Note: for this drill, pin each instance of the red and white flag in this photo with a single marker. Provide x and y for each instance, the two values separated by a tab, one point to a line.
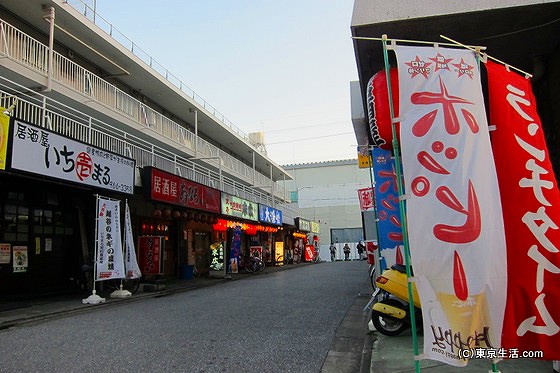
365	196
109	255
531	204
454	213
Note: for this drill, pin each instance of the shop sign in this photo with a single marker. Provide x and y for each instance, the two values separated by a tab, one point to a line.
173	189
42	152
5	253
315	227
239	207
270	215
150	254
217	256
279	252
303	225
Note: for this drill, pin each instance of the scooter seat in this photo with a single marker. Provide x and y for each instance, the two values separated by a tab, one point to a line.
401	268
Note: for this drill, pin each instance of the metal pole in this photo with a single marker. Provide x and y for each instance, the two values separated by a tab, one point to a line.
402	206
50	17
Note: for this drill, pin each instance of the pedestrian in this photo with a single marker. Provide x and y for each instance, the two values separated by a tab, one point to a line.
361	248
332	249
346	250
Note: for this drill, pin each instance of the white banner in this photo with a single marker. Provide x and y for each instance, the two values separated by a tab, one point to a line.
109	256
454	211
130	262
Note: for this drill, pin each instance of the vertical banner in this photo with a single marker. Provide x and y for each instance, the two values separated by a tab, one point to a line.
389	225
235	250
130	263
150	250
109	256
454	212
532	316
4	128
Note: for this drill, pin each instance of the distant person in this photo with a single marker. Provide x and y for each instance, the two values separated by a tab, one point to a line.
346	250
332	249
361	248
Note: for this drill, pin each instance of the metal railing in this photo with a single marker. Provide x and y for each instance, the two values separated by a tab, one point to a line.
63	119
20	47
87	11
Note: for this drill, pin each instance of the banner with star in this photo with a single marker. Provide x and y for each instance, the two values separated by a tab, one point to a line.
454	213
532	316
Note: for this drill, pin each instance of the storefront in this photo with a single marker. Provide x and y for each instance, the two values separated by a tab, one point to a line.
183	214
47	208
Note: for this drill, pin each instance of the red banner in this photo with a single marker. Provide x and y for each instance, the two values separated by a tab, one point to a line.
531	202
179	191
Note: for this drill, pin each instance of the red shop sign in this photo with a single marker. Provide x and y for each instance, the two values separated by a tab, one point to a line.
166	187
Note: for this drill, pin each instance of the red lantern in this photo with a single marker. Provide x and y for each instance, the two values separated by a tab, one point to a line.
379	114
166	213
196	217
176	214
184	215
157	213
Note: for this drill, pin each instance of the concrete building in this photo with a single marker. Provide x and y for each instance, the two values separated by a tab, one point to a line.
73	84
326	192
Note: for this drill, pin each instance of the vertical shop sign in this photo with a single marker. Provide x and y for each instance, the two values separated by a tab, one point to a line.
20	258
217	256
150	254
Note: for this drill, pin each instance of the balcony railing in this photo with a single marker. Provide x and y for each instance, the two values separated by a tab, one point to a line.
22	48
58	117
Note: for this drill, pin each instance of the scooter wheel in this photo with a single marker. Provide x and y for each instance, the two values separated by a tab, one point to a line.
387	325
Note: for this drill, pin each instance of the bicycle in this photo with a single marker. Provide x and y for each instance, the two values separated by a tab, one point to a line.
252	264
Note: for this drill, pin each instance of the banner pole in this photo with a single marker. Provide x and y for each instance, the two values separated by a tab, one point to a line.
94	298
401	206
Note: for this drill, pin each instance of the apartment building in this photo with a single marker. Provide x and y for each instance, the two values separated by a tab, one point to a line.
89	114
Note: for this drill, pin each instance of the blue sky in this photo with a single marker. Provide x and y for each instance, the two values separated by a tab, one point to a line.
278	67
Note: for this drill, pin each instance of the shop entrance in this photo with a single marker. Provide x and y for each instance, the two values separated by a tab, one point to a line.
201	247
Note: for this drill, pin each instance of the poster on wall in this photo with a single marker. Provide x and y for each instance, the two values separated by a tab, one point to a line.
20	258
150	256
5	253
256	251
217	257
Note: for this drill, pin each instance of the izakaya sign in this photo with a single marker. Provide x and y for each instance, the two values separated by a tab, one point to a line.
176	190
454	212
239	207
531	203
270	215
46	153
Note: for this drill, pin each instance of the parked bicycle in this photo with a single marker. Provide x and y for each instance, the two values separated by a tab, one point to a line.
252	264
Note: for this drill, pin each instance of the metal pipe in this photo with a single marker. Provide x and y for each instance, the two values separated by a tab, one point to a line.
50	17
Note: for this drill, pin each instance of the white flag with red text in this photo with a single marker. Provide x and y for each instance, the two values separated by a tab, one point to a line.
109	256
454	213
531	203
130	263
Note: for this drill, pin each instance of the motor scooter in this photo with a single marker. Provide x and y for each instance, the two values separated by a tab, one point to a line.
390	312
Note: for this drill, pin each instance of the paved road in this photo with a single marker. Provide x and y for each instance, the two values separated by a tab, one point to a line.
281	322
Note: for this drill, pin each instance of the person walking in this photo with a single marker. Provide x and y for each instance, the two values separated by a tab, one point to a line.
346	250
361	248
332	249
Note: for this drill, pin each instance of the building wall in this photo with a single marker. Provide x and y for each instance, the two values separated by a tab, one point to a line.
327	194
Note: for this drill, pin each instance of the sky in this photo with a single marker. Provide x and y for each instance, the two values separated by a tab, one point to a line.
278	67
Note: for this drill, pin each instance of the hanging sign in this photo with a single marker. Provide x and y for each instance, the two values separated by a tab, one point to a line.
39	151
532	316
454	212
365	196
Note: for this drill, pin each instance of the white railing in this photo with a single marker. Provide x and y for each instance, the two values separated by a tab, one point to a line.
87	11
17	45
55	116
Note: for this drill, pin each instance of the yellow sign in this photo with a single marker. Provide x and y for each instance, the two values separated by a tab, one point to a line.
363	157
4	127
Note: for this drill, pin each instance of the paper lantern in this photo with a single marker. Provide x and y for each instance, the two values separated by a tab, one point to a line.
379	114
